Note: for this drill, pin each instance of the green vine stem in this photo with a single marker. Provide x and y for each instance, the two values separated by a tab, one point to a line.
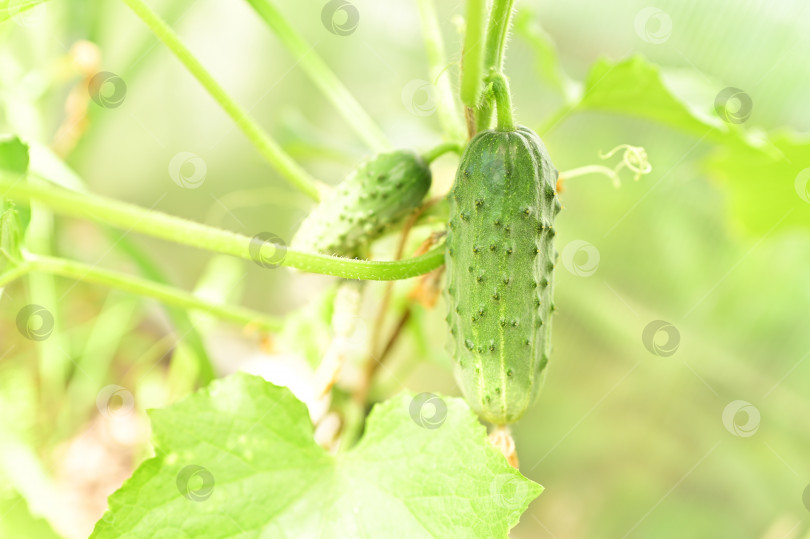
142	287
434	153
323	77
497	36
503	100
270	150
14	273
472	57
171	228
446	105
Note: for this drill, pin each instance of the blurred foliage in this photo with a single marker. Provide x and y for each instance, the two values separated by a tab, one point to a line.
714	241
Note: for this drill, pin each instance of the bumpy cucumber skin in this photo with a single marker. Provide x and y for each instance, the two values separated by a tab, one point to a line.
500	264
381	191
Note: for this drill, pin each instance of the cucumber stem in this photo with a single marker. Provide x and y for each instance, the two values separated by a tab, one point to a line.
193	234
434	153
500	19
497	34
503	100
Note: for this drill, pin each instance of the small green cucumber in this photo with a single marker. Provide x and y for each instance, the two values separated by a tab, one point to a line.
381	191
500	264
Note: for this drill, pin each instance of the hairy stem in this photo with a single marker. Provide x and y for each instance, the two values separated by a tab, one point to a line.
323	77
503	100
171	228
446	105
142	287
434	153
497	36
270	150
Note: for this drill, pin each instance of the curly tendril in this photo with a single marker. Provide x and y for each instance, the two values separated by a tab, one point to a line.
634	159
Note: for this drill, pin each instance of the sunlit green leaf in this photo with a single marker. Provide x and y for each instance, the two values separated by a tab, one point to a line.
765	175
238	459
639	88
769	187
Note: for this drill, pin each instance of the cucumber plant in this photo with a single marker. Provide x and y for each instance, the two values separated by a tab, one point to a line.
498	263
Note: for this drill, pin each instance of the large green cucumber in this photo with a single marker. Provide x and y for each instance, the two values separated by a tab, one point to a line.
379	192
500	266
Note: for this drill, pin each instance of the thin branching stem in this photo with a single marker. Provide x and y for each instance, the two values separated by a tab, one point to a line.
265	249
269	148
324	78
143	287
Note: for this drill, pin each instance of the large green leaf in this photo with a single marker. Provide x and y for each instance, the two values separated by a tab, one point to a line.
676	98
238	459
767	188
765	174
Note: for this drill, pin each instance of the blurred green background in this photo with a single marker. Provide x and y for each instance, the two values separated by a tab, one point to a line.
627	443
